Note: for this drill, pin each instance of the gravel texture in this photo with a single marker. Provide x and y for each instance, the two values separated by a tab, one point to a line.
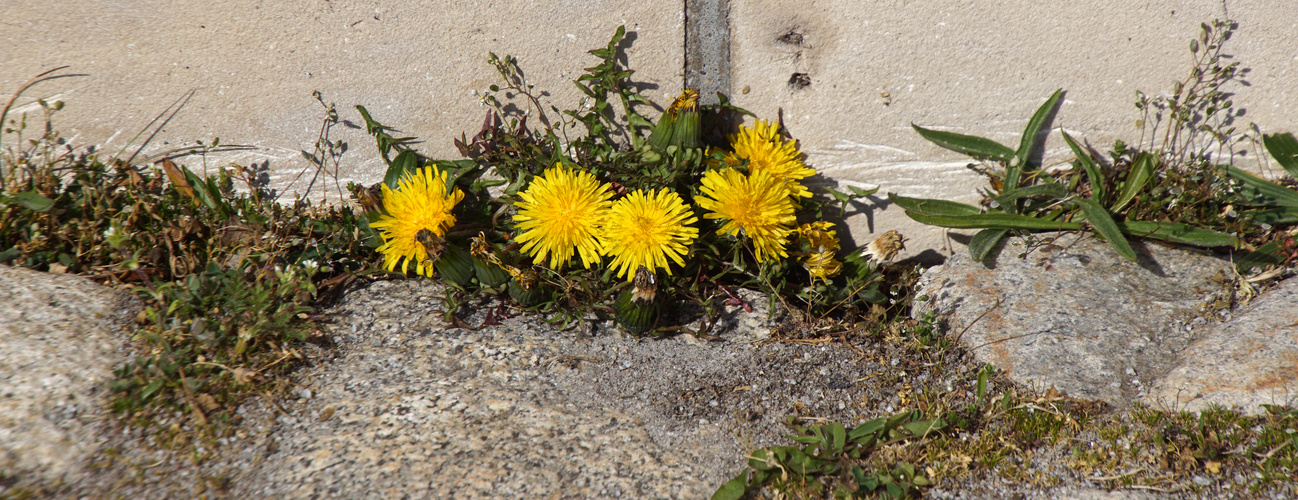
401	404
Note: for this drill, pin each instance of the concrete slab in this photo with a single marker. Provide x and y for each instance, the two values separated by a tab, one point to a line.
254	65
982	68
871	70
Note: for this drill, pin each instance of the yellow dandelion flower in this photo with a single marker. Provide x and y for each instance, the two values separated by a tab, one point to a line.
418	216
765	149
823	241
647	229
562	210
756	203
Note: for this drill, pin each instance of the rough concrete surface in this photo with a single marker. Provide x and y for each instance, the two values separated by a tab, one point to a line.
253	65
871	68
981	68
1247	361
60	336
1074	315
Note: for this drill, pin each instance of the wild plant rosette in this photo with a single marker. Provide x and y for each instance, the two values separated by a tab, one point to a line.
629	221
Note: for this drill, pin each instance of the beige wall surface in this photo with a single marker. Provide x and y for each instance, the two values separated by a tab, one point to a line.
874	67
982	68
254	64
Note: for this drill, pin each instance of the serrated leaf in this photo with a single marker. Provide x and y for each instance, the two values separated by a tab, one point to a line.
977	147
984	241
932	206
1088	164
1103	223
1284	148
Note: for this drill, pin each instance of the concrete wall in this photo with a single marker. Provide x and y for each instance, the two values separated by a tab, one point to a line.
874	67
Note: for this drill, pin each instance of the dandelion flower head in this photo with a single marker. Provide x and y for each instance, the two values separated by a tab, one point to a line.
562	211
822	240
765	149
757	203
420	203
646	229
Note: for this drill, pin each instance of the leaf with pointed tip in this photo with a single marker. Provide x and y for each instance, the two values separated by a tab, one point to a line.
1142	169
1032	136
977	147
993	221
1178	233
1284	148
933	207
1103	223
734	489
1088	164
1261	192
982	243
404	163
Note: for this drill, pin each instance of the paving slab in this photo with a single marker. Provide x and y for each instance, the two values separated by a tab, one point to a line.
870	70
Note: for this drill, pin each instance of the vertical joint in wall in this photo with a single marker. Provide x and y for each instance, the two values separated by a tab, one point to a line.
707	48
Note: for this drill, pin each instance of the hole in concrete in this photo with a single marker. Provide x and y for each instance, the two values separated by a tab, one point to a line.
799	80
791	38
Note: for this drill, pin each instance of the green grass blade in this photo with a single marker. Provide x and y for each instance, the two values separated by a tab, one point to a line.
993	221
1284	148
1178	233
1104	224
1260	191
977	147
983	242
933	207
1141	171
1088	164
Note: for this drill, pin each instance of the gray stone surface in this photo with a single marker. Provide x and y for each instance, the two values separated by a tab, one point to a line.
403	404
1074	315
1247	361
60	336
521	409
